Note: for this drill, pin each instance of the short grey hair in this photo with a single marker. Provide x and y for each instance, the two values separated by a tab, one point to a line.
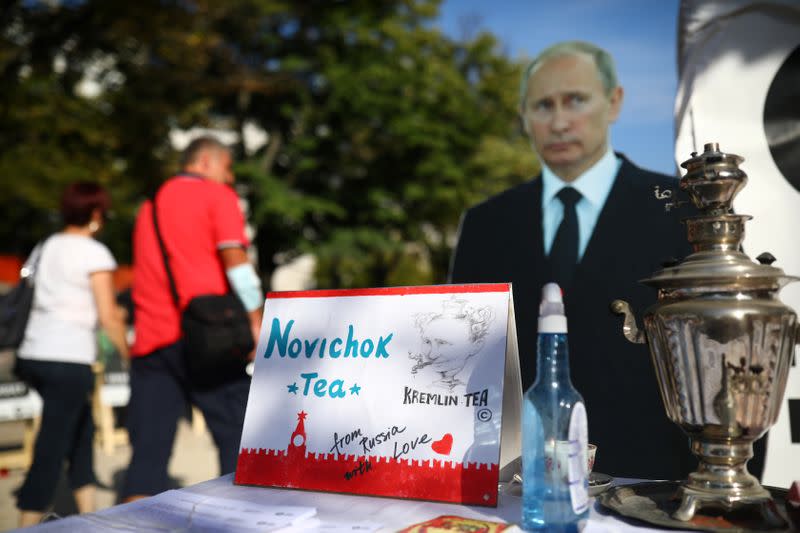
602	60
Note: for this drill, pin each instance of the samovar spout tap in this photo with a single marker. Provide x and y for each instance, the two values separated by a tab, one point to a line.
629	327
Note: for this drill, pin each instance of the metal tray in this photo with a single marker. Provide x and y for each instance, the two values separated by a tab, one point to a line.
598	483
654	502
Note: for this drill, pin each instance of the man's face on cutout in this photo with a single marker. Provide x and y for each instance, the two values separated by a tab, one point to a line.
567	114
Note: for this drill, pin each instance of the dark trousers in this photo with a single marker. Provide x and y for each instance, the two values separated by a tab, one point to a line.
160	394
66	431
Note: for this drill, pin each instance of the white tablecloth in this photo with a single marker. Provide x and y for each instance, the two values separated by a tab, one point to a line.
391	514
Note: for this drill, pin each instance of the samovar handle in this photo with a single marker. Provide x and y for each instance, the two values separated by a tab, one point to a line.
629	327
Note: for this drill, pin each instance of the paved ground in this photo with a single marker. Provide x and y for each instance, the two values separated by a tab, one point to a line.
193	460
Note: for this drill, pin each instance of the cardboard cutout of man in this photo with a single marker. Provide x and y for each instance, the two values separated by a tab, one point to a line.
597	241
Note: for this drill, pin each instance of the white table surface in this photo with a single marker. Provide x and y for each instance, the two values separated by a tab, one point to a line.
392	514
21	407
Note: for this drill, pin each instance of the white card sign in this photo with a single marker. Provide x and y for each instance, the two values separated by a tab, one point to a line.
388	392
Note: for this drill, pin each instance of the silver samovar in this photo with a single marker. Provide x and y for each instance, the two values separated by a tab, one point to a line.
720	339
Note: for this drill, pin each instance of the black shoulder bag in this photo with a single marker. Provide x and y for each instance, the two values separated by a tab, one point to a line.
15	305
216	330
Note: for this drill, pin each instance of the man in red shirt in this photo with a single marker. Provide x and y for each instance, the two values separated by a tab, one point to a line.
203	230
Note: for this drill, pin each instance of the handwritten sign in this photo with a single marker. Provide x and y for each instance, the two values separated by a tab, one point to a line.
390	392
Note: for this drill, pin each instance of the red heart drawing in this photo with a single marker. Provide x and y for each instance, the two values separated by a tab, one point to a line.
443	445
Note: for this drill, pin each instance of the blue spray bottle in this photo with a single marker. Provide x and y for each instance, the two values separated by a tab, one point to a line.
554	431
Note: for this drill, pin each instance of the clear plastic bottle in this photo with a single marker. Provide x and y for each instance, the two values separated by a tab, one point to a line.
554	432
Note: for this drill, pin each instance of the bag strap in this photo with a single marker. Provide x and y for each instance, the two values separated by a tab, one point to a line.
172	287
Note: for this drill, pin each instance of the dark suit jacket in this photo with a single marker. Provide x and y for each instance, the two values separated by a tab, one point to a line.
501	241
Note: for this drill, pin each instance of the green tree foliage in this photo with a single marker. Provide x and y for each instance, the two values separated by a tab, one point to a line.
381	129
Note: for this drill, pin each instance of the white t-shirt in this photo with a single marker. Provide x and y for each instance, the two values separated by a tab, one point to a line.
63	319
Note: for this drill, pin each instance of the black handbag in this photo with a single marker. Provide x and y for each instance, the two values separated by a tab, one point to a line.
216	331
15	305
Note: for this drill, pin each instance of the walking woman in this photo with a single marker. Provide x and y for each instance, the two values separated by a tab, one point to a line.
73	293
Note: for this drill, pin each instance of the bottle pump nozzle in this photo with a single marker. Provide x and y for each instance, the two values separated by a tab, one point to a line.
551	310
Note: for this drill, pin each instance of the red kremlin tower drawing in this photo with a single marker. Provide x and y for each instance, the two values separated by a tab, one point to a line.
297	442
447	481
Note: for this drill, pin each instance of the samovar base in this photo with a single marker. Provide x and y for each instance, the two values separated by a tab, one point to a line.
654	502
722	481
693	500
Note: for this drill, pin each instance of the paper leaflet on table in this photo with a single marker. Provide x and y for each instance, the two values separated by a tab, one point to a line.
179	510
449	523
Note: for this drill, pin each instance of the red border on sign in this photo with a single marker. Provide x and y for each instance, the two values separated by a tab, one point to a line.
393	291
372	475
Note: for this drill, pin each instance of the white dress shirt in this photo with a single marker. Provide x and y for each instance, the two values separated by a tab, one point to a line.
594	185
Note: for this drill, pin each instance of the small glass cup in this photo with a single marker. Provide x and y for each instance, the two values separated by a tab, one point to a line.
591	451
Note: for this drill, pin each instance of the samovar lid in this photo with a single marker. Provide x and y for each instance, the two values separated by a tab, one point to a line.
712	180
729	271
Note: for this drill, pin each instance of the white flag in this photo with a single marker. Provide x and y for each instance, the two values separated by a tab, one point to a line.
739	67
